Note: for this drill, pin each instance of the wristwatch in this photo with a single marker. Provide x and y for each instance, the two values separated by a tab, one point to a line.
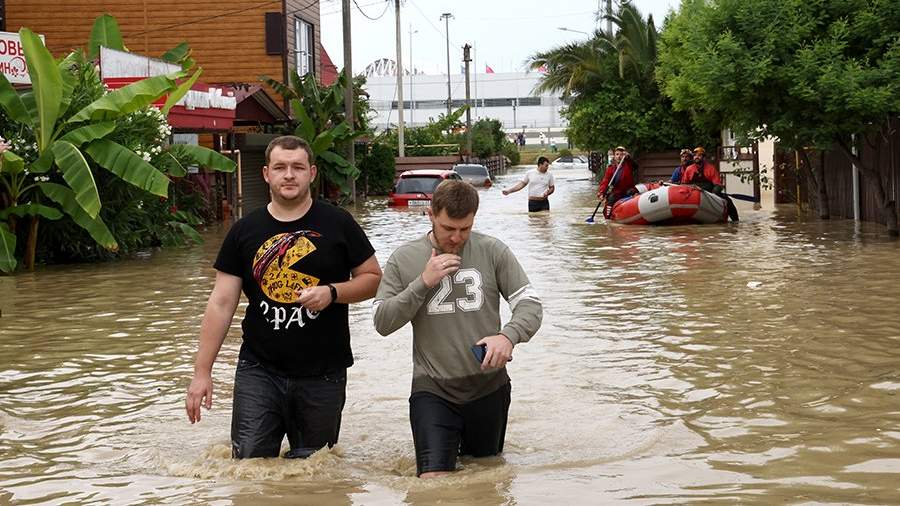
333	292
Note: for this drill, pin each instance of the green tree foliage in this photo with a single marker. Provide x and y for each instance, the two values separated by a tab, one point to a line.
614	98
433	138
809	73
378	169
63	131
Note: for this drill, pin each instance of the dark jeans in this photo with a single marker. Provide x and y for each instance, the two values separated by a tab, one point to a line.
268	406
538	205
443	429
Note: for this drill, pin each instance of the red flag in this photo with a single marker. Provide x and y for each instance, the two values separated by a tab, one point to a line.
488	69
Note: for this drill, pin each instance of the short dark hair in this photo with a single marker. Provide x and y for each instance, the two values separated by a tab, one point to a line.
542	160
290	142
459	198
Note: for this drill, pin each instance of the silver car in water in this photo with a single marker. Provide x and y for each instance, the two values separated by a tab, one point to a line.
474	174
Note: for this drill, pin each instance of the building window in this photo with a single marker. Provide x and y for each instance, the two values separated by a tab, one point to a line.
303	44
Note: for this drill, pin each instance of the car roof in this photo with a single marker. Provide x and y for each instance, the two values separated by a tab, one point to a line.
427	172
469	165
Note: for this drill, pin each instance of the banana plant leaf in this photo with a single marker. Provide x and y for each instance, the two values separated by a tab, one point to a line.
7	249
12	103
12	163
89	133
279	87
177	53
187	230
68	78
43	163
305	128
127	99
205	157
124	163
94	226
179	92
46	84
105	33
77	173
172	166
23	210
340	164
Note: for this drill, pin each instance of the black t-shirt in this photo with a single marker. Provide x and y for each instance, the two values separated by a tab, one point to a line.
273	259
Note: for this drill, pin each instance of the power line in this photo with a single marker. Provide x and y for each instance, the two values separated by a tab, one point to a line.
208	18
386	5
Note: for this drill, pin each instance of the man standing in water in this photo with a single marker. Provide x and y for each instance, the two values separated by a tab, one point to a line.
299	262
540	185
460	389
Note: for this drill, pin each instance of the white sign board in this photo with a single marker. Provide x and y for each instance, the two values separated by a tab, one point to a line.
114	63
12	58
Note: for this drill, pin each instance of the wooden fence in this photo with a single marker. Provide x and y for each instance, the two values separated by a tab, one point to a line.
793	186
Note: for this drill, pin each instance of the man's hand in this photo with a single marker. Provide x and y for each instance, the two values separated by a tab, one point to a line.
498	352
199	392
439	266
314	298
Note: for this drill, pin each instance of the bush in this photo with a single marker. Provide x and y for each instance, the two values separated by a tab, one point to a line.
377	168
565	152
512	152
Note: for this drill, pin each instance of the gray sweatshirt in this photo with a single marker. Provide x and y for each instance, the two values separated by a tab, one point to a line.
456	313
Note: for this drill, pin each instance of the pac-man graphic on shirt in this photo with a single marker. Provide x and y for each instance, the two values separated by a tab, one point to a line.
273	261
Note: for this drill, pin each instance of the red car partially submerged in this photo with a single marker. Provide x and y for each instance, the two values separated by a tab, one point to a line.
415	187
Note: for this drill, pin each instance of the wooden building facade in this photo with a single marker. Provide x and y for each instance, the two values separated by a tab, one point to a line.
234	41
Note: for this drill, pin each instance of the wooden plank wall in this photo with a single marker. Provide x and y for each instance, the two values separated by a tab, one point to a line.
227	36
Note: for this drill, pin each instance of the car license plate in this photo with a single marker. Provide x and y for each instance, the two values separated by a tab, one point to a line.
419	202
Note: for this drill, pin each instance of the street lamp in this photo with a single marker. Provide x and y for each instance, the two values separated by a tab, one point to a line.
565	29
446	17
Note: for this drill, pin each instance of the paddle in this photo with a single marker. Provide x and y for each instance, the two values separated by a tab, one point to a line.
591	219
609	188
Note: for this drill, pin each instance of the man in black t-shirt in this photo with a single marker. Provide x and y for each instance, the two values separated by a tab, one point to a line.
299	262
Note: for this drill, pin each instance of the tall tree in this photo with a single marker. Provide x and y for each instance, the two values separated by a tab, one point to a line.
609	81
810	73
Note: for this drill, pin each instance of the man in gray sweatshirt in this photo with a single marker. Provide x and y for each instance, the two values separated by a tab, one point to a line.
448	283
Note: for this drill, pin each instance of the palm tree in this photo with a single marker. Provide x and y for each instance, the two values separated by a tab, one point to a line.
578	68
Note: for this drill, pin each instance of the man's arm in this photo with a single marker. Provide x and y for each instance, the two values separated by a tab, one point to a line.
514	188
551	187
395	303
216	320
362	285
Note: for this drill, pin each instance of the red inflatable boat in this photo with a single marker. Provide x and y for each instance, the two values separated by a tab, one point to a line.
669	204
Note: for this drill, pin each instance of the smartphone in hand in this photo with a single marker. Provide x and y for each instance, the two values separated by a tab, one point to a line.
479	350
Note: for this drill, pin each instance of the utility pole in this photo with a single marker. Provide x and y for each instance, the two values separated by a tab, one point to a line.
412	72
466	59
349	89
514	111
609	18
401	148
446	17
475	64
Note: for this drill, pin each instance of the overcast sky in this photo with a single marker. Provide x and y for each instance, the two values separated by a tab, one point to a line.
503	32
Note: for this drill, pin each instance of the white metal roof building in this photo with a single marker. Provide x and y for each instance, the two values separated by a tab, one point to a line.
503	96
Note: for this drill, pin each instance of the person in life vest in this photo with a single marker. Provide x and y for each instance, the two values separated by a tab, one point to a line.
687	159
618	179
702	173
706	176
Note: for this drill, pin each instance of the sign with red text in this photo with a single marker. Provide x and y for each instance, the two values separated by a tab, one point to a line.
12	58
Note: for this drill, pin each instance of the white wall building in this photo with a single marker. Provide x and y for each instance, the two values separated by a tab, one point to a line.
503	96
